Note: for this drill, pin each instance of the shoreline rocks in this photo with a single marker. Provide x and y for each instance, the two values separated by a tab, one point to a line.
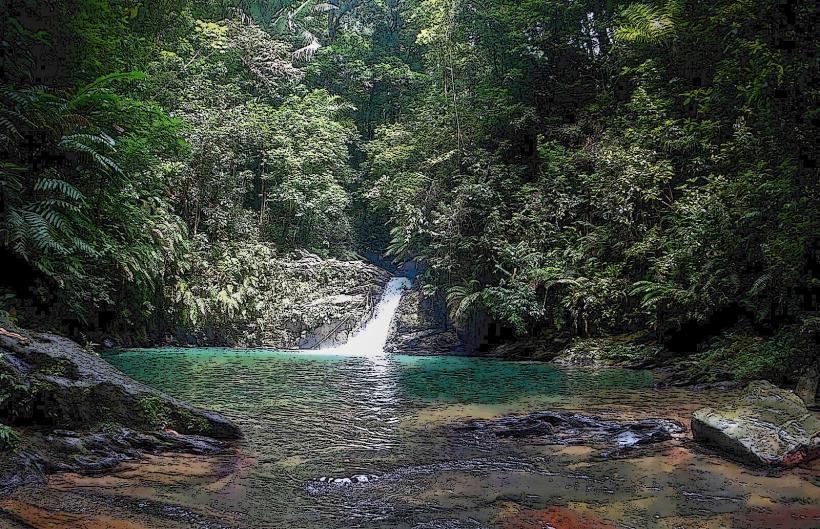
574	428
78	413
612	351
766	426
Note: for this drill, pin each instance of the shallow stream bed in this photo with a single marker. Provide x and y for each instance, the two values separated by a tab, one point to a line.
348	441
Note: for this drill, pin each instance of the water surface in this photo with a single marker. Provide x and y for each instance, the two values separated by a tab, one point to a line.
393	419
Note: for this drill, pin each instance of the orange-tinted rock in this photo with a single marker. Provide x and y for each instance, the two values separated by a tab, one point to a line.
781	517
555	518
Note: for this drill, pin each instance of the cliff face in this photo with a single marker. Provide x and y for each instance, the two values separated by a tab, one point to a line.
288	303
328	300
420	327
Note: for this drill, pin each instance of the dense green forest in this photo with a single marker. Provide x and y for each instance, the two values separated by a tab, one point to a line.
577	168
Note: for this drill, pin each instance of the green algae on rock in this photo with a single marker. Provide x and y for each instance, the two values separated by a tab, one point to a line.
622	350
77	413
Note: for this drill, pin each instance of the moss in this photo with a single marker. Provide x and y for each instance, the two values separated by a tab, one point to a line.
188	421
612	350
107	427
744	357
58	368
154	410
10	385
157	413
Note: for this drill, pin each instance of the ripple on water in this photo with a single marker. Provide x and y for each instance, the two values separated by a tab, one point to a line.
312	415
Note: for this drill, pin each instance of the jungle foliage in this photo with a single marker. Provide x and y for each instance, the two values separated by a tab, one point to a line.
588	168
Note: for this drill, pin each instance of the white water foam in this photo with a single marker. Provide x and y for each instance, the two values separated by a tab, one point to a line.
371	339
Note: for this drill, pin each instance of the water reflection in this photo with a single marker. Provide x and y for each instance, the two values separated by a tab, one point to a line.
343	415
320	414
291	403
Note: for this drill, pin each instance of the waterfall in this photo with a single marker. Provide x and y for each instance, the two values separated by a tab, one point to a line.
371	339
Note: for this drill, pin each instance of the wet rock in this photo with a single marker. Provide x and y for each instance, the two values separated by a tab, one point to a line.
420	328
326	483
723	385
61	385
572	428
450	524
427	342
66	444
97	452
544	347
192	444
21	468
64	433
767	425
96	465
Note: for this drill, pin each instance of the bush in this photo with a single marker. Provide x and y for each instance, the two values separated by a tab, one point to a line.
745	357
9	438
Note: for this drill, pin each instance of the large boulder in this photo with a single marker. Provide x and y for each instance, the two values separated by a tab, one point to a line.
765	426
76	413
51	381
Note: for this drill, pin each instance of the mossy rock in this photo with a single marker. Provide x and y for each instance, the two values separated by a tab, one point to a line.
77	389
621	350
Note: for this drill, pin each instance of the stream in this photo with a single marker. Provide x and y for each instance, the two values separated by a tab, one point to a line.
308	416
350	437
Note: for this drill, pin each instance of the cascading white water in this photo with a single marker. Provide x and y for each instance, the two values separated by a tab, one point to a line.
371	339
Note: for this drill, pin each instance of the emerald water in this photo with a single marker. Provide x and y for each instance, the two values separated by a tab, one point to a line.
310	417
334	440
354	415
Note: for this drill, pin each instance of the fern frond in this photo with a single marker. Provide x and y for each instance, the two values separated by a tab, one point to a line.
60	186
307	52
647	24
324	8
